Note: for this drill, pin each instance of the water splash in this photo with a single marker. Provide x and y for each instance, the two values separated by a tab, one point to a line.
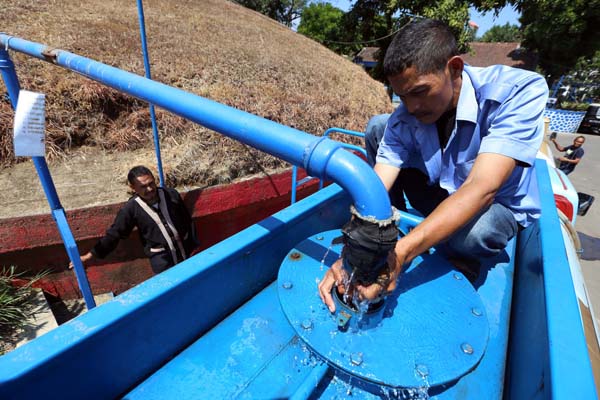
416	393
325	256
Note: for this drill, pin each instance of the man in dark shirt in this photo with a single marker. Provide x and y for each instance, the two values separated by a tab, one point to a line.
573	154
164	224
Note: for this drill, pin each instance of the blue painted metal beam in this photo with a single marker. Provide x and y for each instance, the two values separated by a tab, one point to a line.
570	368
161	178
321	157
58	213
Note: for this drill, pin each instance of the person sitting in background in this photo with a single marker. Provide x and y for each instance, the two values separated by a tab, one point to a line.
573	154
164	223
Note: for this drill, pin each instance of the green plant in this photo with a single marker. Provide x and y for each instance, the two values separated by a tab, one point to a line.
573	106
15	306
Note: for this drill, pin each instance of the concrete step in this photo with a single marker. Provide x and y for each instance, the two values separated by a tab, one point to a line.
39	322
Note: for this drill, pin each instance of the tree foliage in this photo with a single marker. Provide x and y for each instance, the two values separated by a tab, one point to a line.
456	15
323	23
502	33
284	11
365	22
391	15
559	31
582	83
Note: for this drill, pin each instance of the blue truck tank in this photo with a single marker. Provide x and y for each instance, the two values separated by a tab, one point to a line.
243	319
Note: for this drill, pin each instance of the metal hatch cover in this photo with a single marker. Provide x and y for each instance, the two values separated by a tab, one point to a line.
434	328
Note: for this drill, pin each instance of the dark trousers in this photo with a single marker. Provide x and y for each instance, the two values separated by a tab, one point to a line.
422	197
413	182
161	262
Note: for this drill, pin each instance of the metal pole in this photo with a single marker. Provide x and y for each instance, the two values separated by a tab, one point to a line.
320	157
7	68
152	114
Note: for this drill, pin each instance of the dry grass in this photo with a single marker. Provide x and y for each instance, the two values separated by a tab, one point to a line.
213	48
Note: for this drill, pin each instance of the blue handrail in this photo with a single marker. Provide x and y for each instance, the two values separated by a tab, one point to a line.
321	157
296	183
148	75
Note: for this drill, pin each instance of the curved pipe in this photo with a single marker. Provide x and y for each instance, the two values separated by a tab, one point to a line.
321	157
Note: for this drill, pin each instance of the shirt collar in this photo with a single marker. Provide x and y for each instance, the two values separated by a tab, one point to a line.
467	107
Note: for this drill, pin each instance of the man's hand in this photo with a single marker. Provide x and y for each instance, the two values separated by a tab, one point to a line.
335	276
385	285
84	258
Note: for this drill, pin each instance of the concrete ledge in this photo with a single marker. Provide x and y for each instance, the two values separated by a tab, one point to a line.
41	321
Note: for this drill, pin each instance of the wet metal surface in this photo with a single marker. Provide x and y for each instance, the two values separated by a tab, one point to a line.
428	323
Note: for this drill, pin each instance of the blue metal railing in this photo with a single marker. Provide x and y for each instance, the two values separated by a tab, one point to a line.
296	183
320	156
148	75
7	69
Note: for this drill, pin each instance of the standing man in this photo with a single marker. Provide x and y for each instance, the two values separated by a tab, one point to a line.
573	154
164	224
468	138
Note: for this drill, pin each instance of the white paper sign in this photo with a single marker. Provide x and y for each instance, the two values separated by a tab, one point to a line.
30	124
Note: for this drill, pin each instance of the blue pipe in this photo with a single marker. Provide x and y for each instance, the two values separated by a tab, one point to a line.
321	157
152	114
7	68
347	146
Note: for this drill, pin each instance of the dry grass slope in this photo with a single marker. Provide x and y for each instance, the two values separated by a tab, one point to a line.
214	48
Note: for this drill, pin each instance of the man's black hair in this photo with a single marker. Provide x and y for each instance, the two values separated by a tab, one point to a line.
136	172
426	44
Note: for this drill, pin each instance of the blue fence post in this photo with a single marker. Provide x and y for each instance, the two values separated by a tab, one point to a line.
11	81
148	75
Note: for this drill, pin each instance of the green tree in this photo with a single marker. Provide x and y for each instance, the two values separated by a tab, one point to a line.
502	33
454	13
284	11
584	79
323	22
559	31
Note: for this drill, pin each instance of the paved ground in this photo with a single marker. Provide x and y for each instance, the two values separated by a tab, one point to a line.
586	179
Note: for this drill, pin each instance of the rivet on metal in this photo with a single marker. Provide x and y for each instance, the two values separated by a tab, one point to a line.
457	277
287	285
320	238
421	370
477	312
356	358
307	324
466	348
295	256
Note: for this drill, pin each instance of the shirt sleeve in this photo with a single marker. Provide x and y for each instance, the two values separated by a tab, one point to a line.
120	229
394	148
516	127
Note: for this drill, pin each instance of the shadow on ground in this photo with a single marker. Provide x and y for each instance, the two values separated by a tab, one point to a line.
591	247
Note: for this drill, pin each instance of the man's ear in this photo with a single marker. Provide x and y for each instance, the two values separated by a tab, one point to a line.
456	66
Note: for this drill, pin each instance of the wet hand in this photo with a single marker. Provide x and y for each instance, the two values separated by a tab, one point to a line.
84	258
335	276
386	283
